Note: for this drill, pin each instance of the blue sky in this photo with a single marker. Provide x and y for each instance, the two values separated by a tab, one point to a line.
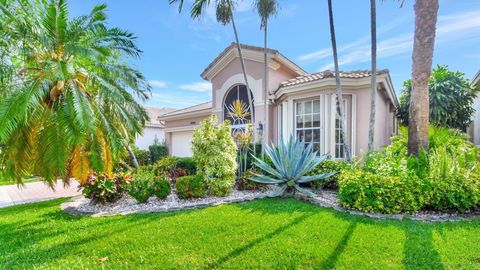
177	48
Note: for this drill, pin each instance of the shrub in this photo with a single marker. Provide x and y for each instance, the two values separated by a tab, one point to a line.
446	178
104	188
143	157
165	165
214	151
161	186
157	151
455	182
188	164
371	192
192	186
329	166
141	188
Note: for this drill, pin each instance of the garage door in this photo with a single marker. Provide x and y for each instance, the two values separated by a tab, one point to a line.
181	146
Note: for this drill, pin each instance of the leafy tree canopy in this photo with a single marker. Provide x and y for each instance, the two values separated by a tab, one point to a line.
67	101
451	99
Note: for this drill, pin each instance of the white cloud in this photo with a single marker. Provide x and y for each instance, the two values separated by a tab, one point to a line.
459	27
157	83
197	87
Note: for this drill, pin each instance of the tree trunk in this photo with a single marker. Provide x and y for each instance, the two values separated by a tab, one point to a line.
373	93
423	45
339	92
265	90
132	156
244	70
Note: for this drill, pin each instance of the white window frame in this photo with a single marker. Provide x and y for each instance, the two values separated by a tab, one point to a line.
352	115
321	114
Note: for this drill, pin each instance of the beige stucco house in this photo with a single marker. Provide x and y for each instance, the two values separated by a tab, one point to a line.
298	103
154	129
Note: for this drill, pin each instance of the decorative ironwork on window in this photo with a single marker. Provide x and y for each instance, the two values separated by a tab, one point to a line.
237	108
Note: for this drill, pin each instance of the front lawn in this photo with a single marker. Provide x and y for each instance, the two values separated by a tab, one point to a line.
263	234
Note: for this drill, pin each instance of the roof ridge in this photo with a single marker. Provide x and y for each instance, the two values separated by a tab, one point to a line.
186	108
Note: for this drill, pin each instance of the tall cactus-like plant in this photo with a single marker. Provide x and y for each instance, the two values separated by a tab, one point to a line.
291	162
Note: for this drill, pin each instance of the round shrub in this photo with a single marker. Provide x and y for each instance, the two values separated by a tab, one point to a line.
371	192
141	189
161	186
329	166
188	164
103	188
191	186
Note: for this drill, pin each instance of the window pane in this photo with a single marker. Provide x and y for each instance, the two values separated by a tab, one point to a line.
299	121
316	120
308	135
308	121
299	108
316	147
316	135
308	107
300	135
316	106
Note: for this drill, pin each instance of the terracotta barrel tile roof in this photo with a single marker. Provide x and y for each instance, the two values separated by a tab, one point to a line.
329	74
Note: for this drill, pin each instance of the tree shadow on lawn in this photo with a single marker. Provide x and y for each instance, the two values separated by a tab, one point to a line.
20	239
418	247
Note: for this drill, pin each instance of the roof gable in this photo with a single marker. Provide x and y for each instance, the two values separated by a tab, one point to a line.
252	53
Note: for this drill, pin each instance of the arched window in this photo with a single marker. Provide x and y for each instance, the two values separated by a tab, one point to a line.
236	107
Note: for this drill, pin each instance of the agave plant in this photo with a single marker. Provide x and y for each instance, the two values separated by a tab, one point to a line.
291	162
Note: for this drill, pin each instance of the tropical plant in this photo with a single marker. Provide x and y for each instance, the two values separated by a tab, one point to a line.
330	165
265	9
373	83
157	151
340	112
161	186
450	99
103	188
292	160
188	164
423	45
72	109
141	187
215	153
192	186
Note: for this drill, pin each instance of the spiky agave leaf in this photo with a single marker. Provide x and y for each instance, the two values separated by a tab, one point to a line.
291	161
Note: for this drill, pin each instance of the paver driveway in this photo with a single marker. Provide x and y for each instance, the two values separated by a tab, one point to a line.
35	192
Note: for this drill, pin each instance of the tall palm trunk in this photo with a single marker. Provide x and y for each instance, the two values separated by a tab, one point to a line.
132	156
265	86
373	93
423	45
339	92
244	70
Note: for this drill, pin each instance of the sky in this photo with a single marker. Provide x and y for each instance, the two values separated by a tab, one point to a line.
176	48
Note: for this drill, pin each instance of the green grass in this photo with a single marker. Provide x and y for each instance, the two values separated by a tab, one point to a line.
263	234
4	182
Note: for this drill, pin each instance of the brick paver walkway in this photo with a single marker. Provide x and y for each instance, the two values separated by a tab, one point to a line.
35	192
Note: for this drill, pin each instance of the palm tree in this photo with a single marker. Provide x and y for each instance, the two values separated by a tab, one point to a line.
423	45
72	109
265	9
373	93
339	92
224	12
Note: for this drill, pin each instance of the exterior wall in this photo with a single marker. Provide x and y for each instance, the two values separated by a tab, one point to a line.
181	143
358	117
474	129
232	75
149	136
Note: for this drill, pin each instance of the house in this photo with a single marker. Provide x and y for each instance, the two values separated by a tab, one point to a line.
474	129
298	103
154	128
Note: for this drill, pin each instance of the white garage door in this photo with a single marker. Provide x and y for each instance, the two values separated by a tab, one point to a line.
181	146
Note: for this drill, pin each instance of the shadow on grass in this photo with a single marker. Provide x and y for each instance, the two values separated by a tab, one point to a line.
331	261
238	251
418	249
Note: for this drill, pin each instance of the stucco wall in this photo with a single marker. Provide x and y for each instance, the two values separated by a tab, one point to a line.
148	137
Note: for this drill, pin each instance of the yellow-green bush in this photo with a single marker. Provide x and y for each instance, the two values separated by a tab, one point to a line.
388	181
215	153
